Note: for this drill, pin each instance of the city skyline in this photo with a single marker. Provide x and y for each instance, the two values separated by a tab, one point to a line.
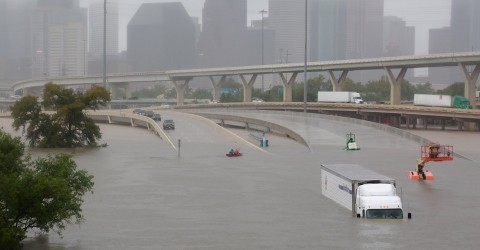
423	15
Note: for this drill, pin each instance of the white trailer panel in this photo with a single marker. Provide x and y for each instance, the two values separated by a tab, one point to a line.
432	100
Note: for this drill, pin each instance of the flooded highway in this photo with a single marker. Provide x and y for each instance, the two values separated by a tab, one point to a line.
145	197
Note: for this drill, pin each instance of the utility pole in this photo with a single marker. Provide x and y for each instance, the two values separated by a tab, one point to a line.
84	54
263	12
305	64
105	44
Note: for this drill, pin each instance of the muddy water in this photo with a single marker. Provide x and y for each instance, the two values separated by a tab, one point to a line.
147	198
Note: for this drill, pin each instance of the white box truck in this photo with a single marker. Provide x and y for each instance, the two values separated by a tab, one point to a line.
342	96
441	101
364	192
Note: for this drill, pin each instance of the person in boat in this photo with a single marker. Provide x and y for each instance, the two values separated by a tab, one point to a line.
236	152
231	152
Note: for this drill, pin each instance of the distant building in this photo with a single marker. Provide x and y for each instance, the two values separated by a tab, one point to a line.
15	48
222	41
462	36
440	41
59	34
328	30
398	40
465	25
96	27
287	19
161	36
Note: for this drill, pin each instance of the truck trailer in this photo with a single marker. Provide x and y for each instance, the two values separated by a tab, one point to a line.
365	193
441	101
343	96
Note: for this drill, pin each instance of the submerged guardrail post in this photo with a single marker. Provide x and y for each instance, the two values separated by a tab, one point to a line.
179	148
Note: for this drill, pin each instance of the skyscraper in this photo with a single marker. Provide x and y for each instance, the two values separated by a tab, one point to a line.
59	32
364	28
465	25
287	19
95	28
15	61
223	38
161	36
328	30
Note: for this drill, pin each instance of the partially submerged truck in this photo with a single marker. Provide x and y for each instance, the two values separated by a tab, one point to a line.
364	192
441	101
341	96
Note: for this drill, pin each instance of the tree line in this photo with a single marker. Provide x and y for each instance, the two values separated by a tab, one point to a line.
372	91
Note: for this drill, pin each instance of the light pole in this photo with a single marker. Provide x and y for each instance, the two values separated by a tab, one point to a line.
84	52
305	64
105	44
263	12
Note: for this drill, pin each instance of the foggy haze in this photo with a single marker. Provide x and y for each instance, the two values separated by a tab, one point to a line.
423	14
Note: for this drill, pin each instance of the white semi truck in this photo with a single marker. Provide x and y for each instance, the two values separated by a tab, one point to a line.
342	96
364	192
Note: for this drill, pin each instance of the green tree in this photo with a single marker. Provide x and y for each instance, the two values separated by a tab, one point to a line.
69	126
313	86
200	94
151	92
45	194
424	88
457	88
377	90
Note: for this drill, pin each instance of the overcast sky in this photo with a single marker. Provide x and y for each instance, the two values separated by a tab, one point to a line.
423	14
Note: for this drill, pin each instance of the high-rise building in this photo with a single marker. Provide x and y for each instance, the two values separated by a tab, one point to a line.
3	42
96	28
161	36
364	28
59	33
398	40
223	38
287	19
328	30
462	36
15	62
465	25
440	41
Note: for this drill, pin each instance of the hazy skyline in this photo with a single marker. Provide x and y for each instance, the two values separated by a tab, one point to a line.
423	14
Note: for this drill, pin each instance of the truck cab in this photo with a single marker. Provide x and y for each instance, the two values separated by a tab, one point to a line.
378	201
356	98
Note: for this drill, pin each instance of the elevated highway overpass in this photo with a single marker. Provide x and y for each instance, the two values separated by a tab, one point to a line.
395	68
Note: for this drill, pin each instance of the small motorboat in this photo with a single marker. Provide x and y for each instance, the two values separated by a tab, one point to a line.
235	153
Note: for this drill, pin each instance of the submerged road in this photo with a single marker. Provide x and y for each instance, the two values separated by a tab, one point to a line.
147	198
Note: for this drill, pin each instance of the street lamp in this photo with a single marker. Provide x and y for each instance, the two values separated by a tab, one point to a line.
263	12
305	64
84	54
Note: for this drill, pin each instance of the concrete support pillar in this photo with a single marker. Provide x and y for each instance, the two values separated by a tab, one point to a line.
337	83
395	82
425	123
443	124
408	122
414	123
287	86
180	88
248	87
470	82
217	87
